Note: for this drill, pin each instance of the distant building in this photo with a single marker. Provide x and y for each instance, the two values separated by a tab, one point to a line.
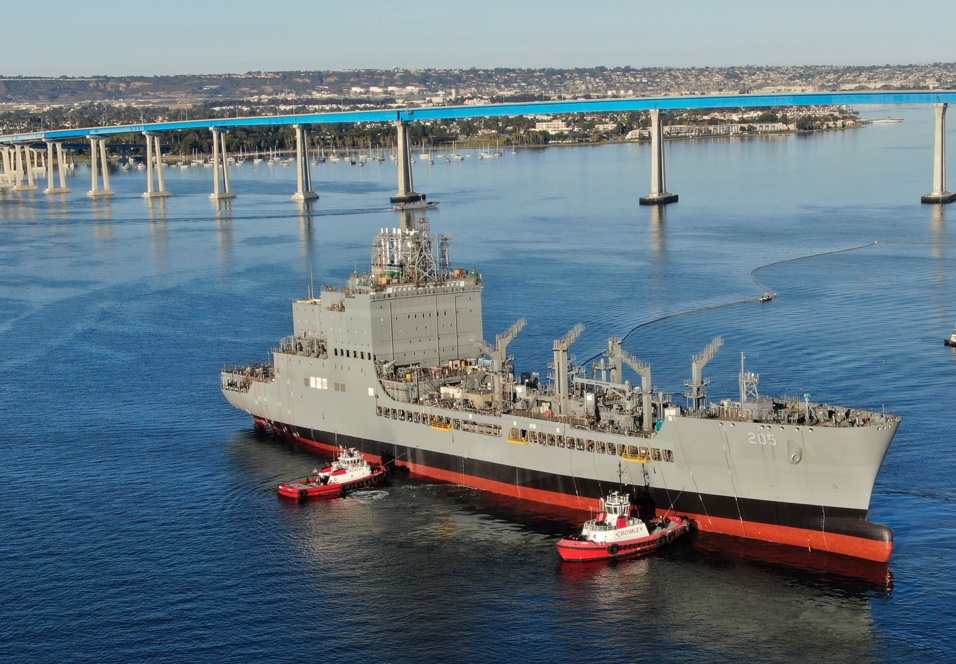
764	127
784	89
675	131
552	126
693	131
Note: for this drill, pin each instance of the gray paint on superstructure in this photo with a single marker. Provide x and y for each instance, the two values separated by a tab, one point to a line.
367	362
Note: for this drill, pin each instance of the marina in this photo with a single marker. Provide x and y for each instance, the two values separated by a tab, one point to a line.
121	312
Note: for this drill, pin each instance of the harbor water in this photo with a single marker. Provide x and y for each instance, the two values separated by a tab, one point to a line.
139	516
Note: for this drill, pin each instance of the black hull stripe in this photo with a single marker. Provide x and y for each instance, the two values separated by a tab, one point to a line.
837	520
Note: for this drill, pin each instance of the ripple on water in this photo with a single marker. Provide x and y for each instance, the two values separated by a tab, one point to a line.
171	543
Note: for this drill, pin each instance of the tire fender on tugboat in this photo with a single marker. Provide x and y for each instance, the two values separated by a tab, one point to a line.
613	549
303	494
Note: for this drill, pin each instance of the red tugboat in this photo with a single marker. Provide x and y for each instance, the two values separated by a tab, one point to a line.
349	471
616	534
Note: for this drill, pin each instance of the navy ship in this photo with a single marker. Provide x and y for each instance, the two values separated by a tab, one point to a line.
395	364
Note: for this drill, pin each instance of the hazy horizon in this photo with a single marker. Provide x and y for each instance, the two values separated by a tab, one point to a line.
199	37
413	69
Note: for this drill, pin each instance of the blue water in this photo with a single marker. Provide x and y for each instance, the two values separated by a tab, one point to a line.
139	518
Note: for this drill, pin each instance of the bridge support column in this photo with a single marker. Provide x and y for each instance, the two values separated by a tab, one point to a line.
939	193
25	167
17	162
406	188
98	160
659	194
302	171
151	140
60	167
6	175
220	190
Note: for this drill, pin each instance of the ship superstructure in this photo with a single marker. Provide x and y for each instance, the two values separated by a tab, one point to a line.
395	365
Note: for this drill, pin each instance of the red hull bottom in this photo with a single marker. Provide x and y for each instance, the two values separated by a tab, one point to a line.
327	491
856	547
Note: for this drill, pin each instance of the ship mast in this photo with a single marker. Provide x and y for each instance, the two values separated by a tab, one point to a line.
407	255
748	384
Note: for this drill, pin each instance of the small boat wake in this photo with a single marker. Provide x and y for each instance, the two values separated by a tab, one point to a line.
369	494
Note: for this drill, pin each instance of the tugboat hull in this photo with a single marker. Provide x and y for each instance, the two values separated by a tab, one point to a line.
576	549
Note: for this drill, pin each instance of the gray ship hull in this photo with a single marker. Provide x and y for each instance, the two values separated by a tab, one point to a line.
395	365
799	485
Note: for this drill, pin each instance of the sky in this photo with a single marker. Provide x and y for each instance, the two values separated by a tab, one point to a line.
158	37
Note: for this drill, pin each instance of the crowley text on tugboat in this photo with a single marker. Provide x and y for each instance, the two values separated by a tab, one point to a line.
617	534
349	471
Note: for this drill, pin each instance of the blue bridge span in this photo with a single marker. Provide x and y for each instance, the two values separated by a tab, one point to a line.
17	148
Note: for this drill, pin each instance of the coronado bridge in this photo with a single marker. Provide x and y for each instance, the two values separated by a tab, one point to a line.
20	152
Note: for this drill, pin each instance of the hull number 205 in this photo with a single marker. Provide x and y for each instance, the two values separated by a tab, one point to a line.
761	438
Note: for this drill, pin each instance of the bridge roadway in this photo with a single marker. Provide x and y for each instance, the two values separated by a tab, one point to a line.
656	105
